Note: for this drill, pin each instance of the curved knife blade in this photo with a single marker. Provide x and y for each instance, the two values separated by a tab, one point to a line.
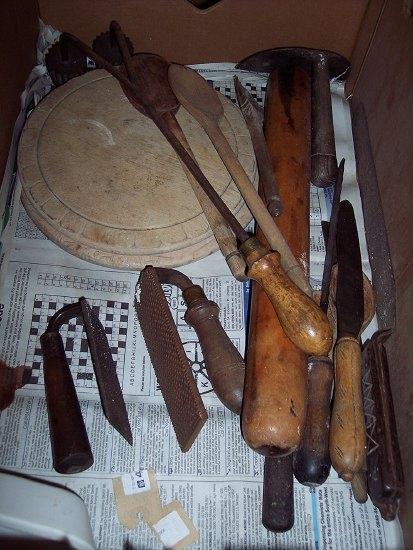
349	297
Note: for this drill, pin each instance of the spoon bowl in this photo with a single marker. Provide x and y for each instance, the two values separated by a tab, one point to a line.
190	89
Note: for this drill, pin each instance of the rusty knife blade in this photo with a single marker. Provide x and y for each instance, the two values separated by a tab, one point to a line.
110	392
349	294
331	241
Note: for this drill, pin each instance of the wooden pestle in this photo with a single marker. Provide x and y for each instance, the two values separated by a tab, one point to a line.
275	391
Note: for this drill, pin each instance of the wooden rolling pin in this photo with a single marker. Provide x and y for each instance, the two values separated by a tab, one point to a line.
275	390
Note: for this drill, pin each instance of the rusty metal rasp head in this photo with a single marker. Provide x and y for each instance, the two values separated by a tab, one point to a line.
174	375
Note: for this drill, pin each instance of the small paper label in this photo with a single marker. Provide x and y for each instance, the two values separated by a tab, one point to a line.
171	529
136	482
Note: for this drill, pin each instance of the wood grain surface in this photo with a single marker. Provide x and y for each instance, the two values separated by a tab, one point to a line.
347	428
276	377
100	180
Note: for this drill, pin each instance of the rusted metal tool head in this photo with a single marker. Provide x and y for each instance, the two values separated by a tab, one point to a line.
11	379
322	65
107	380
174	375
279	58
106	45
385	478
65	60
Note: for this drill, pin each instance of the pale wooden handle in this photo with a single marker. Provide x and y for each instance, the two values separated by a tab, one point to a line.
347	429
224	236
264	219
305	324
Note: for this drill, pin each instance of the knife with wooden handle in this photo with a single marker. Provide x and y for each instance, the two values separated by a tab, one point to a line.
347	430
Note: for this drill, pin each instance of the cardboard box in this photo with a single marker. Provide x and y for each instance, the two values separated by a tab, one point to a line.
377	36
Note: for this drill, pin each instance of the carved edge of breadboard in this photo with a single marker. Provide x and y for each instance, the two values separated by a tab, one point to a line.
172	369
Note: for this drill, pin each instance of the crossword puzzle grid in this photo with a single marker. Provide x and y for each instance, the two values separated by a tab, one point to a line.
112	314
227	89
87	283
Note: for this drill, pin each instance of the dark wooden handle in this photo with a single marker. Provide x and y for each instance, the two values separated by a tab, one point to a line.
278	494
224	364
323	150
384	466
347	431
70	444
312	458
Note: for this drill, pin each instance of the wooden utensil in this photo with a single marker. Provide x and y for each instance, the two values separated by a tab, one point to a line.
347	430
254	118
203	103
275	392
167	103
301	318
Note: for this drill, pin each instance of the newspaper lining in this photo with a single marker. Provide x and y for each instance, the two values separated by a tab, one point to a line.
219	481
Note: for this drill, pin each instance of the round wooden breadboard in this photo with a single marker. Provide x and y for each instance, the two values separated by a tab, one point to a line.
100	180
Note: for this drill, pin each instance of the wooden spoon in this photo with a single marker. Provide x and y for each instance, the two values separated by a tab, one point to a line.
166	104
304	323
199	99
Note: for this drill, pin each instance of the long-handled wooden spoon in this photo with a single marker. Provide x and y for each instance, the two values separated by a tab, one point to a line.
198	98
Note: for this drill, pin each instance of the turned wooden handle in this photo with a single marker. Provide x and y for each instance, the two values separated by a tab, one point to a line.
347	430
323	149
69	441
278	494
263	218
312	458
224	236
303	321
223	362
